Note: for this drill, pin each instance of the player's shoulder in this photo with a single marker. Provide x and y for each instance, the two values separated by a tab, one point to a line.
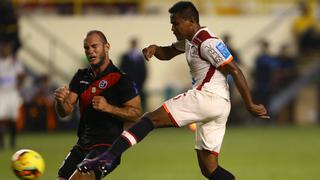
82	71
203	35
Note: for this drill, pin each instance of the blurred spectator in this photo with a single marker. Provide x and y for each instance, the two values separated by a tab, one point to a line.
285	74
305	30
133	64
264	75
9	24
39	112
287	68
11	77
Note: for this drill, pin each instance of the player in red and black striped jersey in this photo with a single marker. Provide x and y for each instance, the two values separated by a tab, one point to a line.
108	102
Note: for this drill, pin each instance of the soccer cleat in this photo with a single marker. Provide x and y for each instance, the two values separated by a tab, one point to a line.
103	163
105	166
87	165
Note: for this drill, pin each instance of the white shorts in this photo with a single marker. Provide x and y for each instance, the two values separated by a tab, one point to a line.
10	102
209	111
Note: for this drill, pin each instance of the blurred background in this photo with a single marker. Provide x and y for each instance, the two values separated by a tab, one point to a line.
275	43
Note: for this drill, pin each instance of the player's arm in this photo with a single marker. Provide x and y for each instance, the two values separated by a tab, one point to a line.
65	101
129	112
160	52
215	51
241	83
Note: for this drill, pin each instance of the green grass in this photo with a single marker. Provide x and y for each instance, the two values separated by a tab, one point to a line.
251	153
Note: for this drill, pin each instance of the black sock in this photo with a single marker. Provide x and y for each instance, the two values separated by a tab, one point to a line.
132	136
221	174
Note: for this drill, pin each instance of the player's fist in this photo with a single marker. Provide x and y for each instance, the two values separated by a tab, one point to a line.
61	93
101	104
149	51
259	111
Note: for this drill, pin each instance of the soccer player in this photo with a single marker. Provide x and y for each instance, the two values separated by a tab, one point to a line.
108	101
11	80
207	103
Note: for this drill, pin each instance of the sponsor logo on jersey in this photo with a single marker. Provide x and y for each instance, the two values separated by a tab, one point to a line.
93	90
222	48
215	56
103	84
84	82
193	81
194	51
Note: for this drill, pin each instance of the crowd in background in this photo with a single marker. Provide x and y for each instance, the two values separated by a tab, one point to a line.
271	74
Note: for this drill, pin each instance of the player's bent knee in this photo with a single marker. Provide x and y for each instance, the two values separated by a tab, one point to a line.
160	118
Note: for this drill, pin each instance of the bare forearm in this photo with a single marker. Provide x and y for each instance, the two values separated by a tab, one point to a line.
127	113
165	53
63	109
242	86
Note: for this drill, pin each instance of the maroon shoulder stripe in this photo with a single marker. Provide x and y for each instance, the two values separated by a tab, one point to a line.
208	77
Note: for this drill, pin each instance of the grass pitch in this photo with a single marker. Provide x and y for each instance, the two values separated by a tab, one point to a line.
251	153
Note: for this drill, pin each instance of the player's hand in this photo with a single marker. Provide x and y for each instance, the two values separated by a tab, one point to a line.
259	111
149	51
100	103
61	93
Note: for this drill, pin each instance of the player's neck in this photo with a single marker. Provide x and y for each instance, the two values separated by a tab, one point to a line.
102	67
195	29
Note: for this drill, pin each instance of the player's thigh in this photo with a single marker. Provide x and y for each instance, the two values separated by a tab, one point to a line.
195	106
160	118
209	134
208	162
69	165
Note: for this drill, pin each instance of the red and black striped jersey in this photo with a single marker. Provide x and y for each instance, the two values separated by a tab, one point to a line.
96	127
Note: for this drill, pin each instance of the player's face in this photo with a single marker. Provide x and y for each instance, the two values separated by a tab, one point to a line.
95	50
180	27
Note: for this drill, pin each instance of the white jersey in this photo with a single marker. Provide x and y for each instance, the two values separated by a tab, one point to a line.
204	54
9	71
10	99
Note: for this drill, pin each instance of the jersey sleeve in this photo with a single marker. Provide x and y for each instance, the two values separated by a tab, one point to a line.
127	89
74	84
180	45
215	51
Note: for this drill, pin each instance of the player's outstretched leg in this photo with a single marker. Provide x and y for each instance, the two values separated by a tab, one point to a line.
155	119
127	139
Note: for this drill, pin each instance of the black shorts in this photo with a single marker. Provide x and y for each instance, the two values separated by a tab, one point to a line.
76	155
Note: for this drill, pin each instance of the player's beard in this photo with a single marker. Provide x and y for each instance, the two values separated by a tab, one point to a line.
100	63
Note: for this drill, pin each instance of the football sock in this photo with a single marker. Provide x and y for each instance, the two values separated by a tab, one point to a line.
221	174
132	136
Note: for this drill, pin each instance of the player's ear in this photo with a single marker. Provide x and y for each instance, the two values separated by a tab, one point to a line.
107	46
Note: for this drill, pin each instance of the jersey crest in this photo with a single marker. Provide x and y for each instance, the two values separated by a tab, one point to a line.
103	84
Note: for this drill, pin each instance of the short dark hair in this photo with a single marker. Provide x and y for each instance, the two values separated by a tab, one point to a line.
100	34
186	9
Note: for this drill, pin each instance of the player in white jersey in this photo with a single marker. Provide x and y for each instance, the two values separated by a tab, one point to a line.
207	103
11	72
